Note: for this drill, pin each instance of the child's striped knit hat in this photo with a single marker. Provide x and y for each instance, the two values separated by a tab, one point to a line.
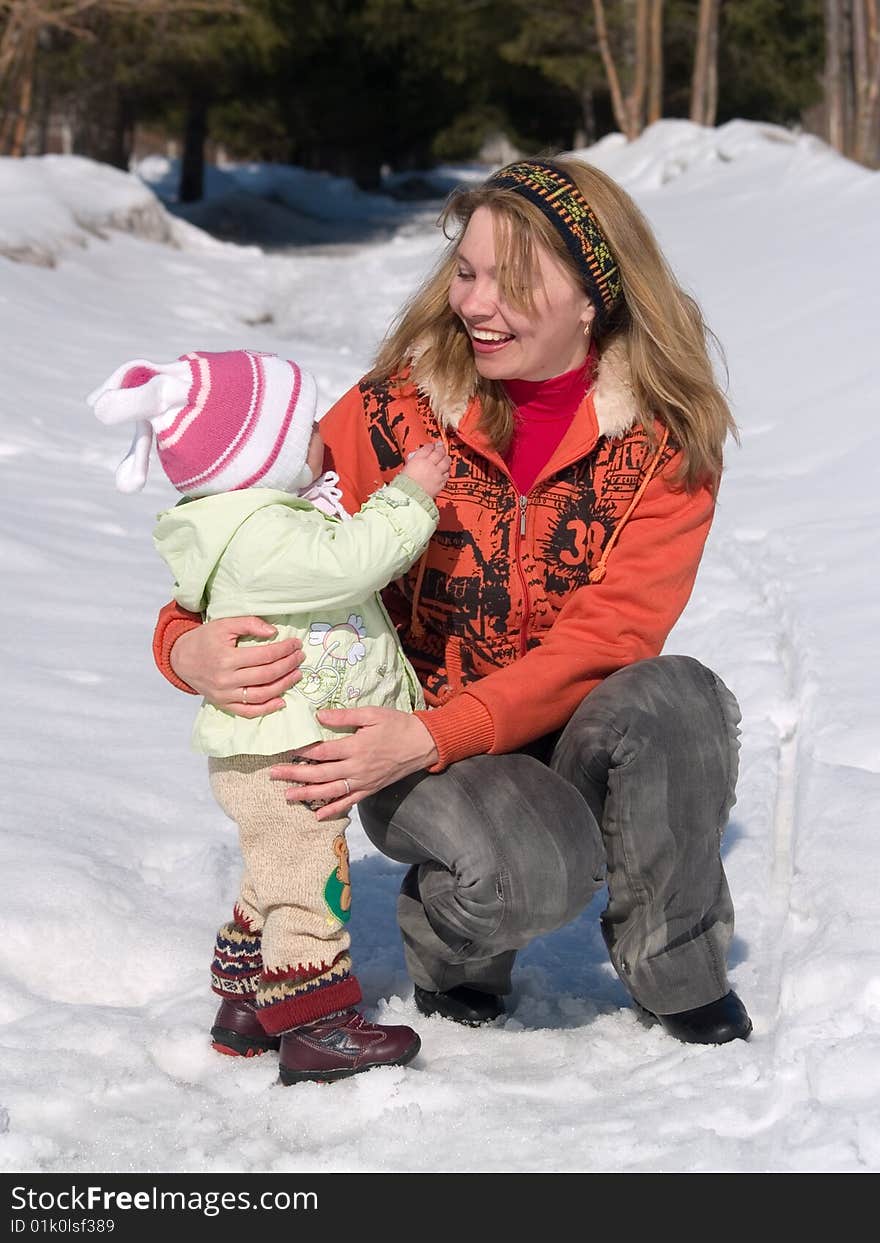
559	199
237	419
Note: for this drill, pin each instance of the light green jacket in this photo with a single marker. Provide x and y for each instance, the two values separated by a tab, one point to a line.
315	578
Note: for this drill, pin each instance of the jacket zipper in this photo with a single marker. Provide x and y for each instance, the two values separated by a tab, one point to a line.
524	624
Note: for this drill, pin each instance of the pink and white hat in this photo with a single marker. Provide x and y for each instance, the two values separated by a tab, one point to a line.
237	419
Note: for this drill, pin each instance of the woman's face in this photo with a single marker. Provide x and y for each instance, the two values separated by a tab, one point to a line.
512	344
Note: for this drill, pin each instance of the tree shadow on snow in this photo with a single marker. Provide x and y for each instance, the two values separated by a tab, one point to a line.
249	219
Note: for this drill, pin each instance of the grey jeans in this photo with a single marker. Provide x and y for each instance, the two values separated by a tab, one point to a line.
635	792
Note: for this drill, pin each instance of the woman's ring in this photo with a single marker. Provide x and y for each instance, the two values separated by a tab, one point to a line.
347	786
244	691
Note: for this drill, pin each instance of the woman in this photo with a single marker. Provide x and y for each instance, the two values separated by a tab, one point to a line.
567	374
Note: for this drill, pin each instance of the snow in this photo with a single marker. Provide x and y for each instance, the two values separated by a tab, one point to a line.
118	864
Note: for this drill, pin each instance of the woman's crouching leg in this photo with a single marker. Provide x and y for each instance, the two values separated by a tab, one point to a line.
501	850
654	750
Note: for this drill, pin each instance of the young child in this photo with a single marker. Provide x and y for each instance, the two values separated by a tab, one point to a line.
261	531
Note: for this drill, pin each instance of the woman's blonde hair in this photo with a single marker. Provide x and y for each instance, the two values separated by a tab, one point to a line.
661	327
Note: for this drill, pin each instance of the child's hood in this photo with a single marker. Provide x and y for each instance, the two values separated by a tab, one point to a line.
193	535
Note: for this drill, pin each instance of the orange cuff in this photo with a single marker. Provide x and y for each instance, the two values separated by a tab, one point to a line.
461	728
173	621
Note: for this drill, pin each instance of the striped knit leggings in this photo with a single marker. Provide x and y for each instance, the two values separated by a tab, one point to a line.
287	945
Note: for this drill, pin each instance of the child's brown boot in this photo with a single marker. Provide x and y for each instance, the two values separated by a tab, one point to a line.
341	1045
237	1030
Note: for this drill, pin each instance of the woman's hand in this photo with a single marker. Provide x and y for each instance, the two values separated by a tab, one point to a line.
386	745
246	681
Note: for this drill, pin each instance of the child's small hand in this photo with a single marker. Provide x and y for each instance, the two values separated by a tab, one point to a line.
429	466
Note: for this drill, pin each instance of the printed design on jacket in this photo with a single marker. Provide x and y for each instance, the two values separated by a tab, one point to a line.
588	502
342	647
489	591
387	427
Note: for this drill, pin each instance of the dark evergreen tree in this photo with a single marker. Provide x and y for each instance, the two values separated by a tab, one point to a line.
770	58
348	86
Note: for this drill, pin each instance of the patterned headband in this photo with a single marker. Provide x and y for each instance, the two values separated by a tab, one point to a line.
559	199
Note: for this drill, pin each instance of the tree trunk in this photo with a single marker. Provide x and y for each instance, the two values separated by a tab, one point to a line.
640	70
15	41
10	41
192	164
629	109
26	71
866	66
120	143
834	82
712	78
872	154
588	113
7	124
621	115
655	63
704	83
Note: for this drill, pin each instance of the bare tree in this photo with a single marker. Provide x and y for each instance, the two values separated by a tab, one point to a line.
704	82
617	103
18	49
852	78
655	63
641	55
640	68
866	64
26	21
836	110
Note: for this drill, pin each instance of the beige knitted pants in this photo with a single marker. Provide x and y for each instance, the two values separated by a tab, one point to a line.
287	947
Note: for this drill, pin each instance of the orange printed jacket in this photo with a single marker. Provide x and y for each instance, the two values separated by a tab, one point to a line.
521	605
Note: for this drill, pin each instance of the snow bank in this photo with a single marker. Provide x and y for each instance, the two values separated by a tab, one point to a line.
49	204
675	150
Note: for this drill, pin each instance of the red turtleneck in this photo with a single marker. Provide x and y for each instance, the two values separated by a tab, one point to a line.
544	411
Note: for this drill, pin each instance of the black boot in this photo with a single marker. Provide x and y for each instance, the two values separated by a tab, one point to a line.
461	1005
716	1023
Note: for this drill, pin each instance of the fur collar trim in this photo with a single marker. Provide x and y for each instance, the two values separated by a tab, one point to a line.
613	398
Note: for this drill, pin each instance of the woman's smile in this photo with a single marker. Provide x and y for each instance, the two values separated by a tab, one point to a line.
486	341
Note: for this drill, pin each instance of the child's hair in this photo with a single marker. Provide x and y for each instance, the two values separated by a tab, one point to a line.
658	324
